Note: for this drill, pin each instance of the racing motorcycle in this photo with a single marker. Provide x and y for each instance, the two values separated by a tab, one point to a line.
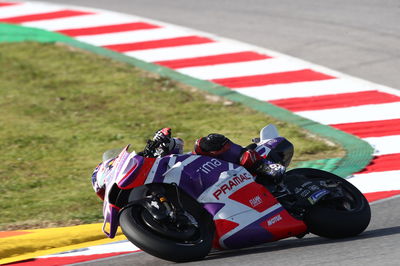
180	206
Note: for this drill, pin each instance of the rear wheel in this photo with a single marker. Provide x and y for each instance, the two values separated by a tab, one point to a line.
188	238
341	217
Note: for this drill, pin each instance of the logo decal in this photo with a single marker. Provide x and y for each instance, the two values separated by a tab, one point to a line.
317	196
209	166
231	184
274	220
255	201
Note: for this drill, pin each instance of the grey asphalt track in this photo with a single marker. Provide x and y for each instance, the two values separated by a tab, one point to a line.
378	245
358	37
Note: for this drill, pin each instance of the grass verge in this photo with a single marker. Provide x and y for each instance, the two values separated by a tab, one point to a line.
62	107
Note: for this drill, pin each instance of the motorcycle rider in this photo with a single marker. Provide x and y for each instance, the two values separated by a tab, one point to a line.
213	145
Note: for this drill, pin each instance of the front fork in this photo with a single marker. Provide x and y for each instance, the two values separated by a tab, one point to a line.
163	210
158	206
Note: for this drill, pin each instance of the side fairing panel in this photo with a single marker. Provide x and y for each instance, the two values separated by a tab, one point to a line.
193	173
110	224
245	213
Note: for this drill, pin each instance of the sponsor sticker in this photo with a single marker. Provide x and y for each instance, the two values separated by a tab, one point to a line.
209	166
231	184
274	220
255	201
317	196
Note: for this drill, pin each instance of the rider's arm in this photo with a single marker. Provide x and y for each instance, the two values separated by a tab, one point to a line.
218	146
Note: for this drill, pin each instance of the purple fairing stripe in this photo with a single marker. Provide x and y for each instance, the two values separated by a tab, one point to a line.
202	174
253	234
162	168
163	165
213	208
182	157
110	217
272	143
196	176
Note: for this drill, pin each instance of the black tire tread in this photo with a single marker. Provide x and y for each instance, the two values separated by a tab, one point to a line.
165	248
331	223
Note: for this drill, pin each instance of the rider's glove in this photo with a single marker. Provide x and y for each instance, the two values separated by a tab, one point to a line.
163	136
164	140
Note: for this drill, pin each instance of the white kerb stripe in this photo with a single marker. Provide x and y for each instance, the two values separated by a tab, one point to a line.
304	89
369	112
119	246
385	145
26	9
241	69
378	181
182	52
78	22
133	36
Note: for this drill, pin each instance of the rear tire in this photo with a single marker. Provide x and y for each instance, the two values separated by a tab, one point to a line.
327	219
143	236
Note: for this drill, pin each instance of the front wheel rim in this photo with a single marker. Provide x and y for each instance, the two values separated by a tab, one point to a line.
168	229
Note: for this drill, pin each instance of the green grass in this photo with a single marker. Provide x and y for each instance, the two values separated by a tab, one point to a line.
61	108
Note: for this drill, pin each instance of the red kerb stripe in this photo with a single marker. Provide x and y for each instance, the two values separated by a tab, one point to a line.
213	60
4	234
371	128
336	101
387	162
8	4
180	41
274	78
109	29
374	196
43	16
68	259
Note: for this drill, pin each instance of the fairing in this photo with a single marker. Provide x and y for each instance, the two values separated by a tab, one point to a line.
245	213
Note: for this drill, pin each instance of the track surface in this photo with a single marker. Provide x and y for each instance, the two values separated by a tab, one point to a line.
360	37
357	38
379	245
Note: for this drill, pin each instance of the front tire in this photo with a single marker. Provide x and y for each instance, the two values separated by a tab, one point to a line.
137	229
346	218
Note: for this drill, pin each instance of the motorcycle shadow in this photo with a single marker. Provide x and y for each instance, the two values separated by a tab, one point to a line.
309	240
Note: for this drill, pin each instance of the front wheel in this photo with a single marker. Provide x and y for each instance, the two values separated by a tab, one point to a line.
168	240
336	218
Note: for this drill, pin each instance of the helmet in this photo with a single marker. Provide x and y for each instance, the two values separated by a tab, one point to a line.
99	175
